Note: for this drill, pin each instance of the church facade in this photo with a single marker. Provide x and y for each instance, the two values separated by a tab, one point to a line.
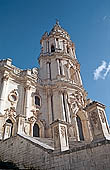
50	101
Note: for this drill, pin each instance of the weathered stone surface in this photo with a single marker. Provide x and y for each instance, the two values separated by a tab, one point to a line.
26	154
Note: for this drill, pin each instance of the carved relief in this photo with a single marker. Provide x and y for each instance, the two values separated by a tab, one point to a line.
76	102
34	72
101	112
10	112
63	131
95	123
94	117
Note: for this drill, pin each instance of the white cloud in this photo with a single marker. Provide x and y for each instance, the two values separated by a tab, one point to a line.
106	18
97	72
107	70
102	71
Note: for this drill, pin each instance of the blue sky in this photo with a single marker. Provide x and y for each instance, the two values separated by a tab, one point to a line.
22	23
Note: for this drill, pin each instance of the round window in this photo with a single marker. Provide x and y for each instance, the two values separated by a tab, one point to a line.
13	97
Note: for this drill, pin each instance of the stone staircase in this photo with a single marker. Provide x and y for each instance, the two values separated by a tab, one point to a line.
48	141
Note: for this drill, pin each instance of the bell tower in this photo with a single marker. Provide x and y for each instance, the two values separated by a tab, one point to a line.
57	58
60	74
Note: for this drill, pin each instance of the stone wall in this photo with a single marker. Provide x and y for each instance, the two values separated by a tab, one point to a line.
27	154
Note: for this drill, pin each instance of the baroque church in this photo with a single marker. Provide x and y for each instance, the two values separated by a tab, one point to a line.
50	102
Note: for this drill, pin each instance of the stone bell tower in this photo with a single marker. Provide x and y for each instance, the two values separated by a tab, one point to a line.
60	74
57	49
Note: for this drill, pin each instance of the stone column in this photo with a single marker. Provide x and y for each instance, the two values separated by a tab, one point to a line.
75	77
58	67
79	77
67	108
60	135
62	106
50	115
31	122
62	68
3	94
69	71
48	71
27	100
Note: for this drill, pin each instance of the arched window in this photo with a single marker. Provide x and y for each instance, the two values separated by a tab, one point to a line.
9	121
36	130
79	123
37	100
52	48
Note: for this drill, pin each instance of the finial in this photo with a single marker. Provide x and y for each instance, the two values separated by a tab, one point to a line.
57	22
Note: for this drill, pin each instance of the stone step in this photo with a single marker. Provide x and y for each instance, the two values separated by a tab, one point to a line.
48	141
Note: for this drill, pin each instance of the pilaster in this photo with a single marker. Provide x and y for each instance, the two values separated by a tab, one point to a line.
27	100
3	95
